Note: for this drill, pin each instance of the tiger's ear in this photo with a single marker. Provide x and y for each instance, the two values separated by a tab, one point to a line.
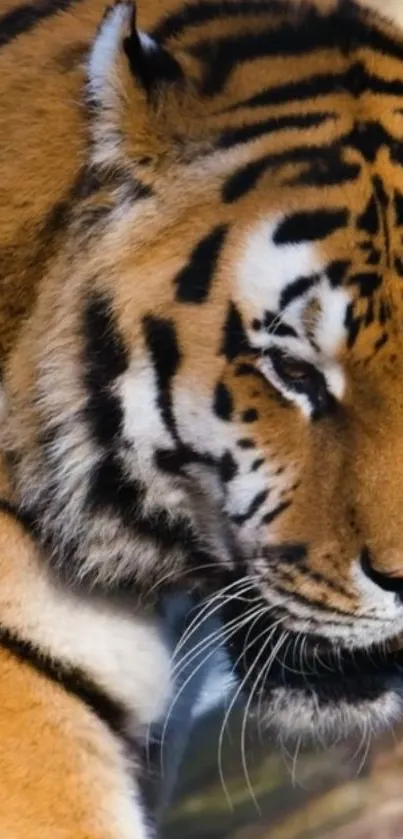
149	62
121	49
132	83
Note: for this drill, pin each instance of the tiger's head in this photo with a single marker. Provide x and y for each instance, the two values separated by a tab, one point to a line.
210	387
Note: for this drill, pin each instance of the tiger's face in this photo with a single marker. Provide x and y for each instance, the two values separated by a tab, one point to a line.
210	386
314	623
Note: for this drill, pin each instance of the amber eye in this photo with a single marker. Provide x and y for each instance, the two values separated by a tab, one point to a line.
298	378
292	369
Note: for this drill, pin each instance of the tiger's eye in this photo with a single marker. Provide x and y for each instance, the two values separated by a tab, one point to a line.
297	377
291	369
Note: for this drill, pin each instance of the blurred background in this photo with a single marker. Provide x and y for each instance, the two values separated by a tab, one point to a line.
234	782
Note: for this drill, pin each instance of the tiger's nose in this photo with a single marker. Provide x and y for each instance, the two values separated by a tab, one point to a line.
388	579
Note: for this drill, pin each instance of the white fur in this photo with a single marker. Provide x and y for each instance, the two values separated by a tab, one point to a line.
121	650
296	714
103	84
330	330
142	418
392	9
264	269
384	604
147	42
126	818
104	52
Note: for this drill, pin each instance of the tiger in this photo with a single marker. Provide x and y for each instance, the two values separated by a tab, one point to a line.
77	699
200	332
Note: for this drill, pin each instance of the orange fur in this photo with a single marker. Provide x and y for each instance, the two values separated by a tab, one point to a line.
63	240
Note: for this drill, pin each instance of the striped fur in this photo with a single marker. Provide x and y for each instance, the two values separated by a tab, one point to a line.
77	697
200	245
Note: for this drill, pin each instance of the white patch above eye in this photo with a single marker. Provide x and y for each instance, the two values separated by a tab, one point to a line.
282	279
266	270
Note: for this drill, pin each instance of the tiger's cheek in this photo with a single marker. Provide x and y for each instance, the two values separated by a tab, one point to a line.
262	467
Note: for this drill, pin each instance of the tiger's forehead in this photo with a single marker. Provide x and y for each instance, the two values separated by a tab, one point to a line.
285	289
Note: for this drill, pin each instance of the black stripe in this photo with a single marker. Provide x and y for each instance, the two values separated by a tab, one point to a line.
367	282
372	37
228	467
320	84
246	443
353	324
174	460
221	55
309	226
369	137
268	518
260	461
328	169
321	579
93	179
24	18
383	202
72	679
337	271
368	221
253	508
105	358
223	404
195	14
387	87
381	342
312	32
250	415
112	491
246	178
162	343
246	133
274	326
193	283
330	157
398	208
235	340
296	289
307	600
307	34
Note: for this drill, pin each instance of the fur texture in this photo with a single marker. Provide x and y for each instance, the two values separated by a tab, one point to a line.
77	697
200	324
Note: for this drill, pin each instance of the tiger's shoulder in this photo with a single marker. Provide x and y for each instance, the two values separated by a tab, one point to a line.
77	696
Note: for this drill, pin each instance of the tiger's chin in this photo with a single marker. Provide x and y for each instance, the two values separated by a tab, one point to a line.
325	716
316	692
